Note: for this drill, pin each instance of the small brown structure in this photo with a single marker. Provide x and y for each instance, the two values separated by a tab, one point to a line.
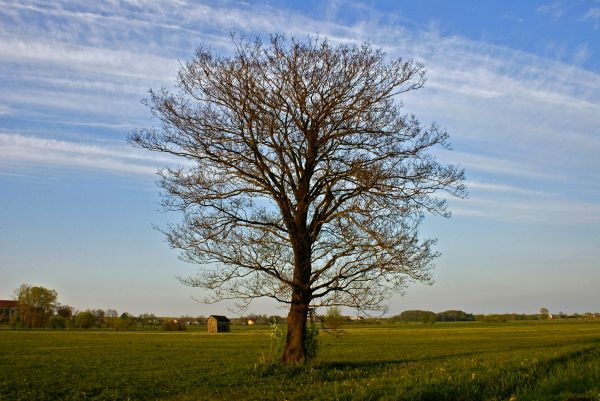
218	324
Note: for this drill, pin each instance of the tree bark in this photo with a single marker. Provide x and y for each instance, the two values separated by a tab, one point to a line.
295	347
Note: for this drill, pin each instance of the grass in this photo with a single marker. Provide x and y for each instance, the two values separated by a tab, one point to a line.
473	361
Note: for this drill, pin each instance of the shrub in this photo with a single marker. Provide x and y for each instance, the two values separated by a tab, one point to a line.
312	340
173	325
58	322
85	320
334	318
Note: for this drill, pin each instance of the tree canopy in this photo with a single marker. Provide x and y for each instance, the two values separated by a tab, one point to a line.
36	305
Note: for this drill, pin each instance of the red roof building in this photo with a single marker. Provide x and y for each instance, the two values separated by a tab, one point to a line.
8	304
7	309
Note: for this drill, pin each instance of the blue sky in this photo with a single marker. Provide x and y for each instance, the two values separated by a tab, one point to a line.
517	85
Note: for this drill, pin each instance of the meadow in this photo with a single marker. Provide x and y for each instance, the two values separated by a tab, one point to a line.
445	361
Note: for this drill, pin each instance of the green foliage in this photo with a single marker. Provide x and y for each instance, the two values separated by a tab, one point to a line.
85	320
276	344
504	317
529	360
36	305
455	316
147	319
333	318
415	316
65	311
311	340
544	313
58	322
429	318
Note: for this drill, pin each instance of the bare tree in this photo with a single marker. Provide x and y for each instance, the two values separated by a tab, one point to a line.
307	183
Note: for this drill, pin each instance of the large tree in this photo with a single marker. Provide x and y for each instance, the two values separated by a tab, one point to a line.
36	305
304	182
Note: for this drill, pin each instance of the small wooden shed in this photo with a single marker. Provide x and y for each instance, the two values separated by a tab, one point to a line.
218	324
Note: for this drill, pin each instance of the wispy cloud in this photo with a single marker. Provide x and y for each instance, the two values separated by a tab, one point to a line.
555	10
502	166
511	115
35	151
502	188
554	210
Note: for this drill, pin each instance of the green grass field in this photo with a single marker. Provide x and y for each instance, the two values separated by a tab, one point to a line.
469	361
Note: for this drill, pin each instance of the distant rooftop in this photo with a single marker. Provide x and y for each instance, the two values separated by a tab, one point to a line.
6	303
219	318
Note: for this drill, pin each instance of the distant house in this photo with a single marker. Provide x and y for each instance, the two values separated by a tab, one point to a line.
7	309
218	324
251	322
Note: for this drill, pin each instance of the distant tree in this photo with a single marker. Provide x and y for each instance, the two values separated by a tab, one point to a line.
455	316
58	322
544	313
428	318
333	318
111	313
65	311
492	318
36	305
85	320
275	319
125	321
147	319
416	316
306	182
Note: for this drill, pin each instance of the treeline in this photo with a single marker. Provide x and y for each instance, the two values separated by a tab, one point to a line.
37	307
506	317
460	316
432	317
252	319
66	317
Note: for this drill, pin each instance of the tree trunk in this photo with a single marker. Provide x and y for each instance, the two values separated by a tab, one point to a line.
295	346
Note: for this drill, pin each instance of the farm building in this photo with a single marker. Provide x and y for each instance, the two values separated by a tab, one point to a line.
7	309
218	324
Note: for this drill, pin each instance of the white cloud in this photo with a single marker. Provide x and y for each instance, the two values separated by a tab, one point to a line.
502	188
512	114
538	210
93	61
31	150
555	10
502	166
